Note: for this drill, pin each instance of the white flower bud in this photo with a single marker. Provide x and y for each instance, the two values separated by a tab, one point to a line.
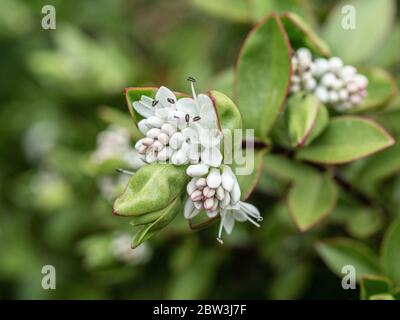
214	178
154	122
196	195
168	129
220	193
209	203
322	94
147	141
153	133
157	146
143	127
321	66
335	64
201	183
176	140
328	80
163	138
197	170
179	157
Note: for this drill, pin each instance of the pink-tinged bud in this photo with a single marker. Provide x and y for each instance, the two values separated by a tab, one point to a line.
163	138
153	133
147	142
209	203
201	183
196	196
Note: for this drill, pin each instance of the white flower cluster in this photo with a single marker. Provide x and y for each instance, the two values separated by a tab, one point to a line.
185	131
330	80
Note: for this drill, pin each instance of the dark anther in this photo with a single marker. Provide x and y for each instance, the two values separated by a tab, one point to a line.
191	79
187	117
196	118
154	103
176	117
170	100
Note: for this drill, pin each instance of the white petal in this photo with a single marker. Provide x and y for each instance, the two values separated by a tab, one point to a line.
194	152
191	134
228	179
191	186
187	106
226	200
212	214
229	223
209	137
211	156
189	210
239	215
197	170
214	178
208	117
143	110
165	96
249	209
235	194
177	118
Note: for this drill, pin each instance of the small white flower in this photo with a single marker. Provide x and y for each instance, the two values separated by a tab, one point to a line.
159	107
241	212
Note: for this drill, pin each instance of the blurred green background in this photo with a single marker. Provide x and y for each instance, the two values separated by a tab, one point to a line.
60	88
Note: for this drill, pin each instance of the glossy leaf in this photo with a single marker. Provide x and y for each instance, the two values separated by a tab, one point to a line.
262	76
340	252
301	117
311	199
347	138
153	187
373	21
302	35
374	284
165	216
248	182
228	114
286	169
390	255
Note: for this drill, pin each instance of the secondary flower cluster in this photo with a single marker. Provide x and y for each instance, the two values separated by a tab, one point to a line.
185	132
330	80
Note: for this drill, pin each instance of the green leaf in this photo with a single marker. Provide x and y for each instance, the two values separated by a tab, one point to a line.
152	187
381	88
165	216
311	199
373	22
233	10
374	284
381	165
261	8
320	124
363	222
195	281
263	74
301	117
286	169
228	114
302	35
248	182
346	139
390	255
340	252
